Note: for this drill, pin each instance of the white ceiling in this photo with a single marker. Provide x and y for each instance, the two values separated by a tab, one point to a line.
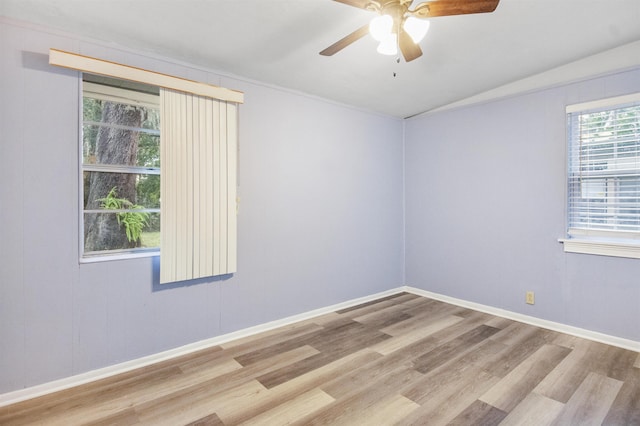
277	42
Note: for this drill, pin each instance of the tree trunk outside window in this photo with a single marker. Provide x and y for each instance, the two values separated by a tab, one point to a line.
113	146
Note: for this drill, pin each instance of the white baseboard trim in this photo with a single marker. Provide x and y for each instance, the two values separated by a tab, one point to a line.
102	373
550	325
90	376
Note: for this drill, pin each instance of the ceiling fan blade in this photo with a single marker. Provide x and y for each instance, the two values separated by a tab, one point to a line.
431	9
409	49
346	41
362	4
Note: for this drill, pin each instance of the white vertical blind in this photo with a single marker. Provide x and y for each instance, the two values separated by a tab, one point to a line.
198	186
604	169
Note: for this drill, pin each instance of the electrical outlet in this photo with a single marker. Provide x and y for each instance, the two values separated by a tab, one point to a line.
530	298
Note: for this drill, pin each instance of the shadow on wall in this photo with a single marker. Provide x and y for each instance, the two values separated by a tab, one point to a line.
40	62
156	286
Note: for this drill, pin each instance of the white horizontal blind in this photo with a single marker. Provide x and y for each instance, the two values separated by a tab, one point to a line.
604	169
198	186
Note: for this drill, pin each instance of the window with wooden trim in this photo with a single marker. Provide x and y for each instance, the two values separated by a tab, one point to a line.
198	140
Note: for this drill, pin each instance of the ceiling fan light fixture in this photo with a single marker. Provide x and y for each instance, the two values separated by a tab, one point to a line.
380	27
416	28
389	46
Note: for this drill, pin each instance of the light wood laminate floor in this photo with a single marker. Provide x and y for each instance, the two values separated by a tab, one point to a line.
402	360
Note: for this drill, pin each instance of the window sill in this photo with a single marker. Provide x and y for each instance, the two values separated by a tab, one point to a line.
601	247
119	256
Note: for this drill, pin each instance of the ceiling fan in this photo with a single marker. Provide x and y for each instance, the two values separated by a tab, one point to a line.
400	26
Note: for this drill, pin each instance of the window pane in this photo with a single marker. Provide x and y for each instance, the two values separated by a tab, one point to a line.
106	190
148	150
629	203
121	231
118	146
119	113
120	134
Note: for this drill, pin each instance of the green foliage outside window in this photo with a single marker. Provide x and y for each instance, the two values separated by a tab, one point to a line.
133	222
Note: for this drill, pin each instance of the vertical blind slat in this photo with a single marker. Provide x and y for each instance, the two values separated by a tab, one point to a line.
232	174
215	117
222	209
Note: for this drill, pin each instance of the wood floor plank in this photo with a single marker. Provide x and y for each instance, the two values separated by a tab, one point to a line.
399	341
587	357
303	383
333	344
292	410
290	372
516	352
446	393
210	420
479	413
625	409
374	305
498	322
567	341
515	386
468	323
373	374
263	350
68	401
95	407
614	362
439	385
121	418
147	393
515	333
323	319
374	382
384	317
416	301
387	412
340	336
363	409
286	335
563	380
201	404
484	353
221	384
452	349
534	410
55	408
591	401
421	316
402	359
430	326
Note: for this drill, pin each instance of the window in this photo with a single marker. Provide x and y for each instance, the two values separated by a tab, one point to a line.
120	167
604	177
197	196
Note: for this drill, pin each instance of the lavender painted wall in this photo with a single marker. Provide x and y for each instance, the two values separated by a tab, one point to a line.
320	220
485	205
